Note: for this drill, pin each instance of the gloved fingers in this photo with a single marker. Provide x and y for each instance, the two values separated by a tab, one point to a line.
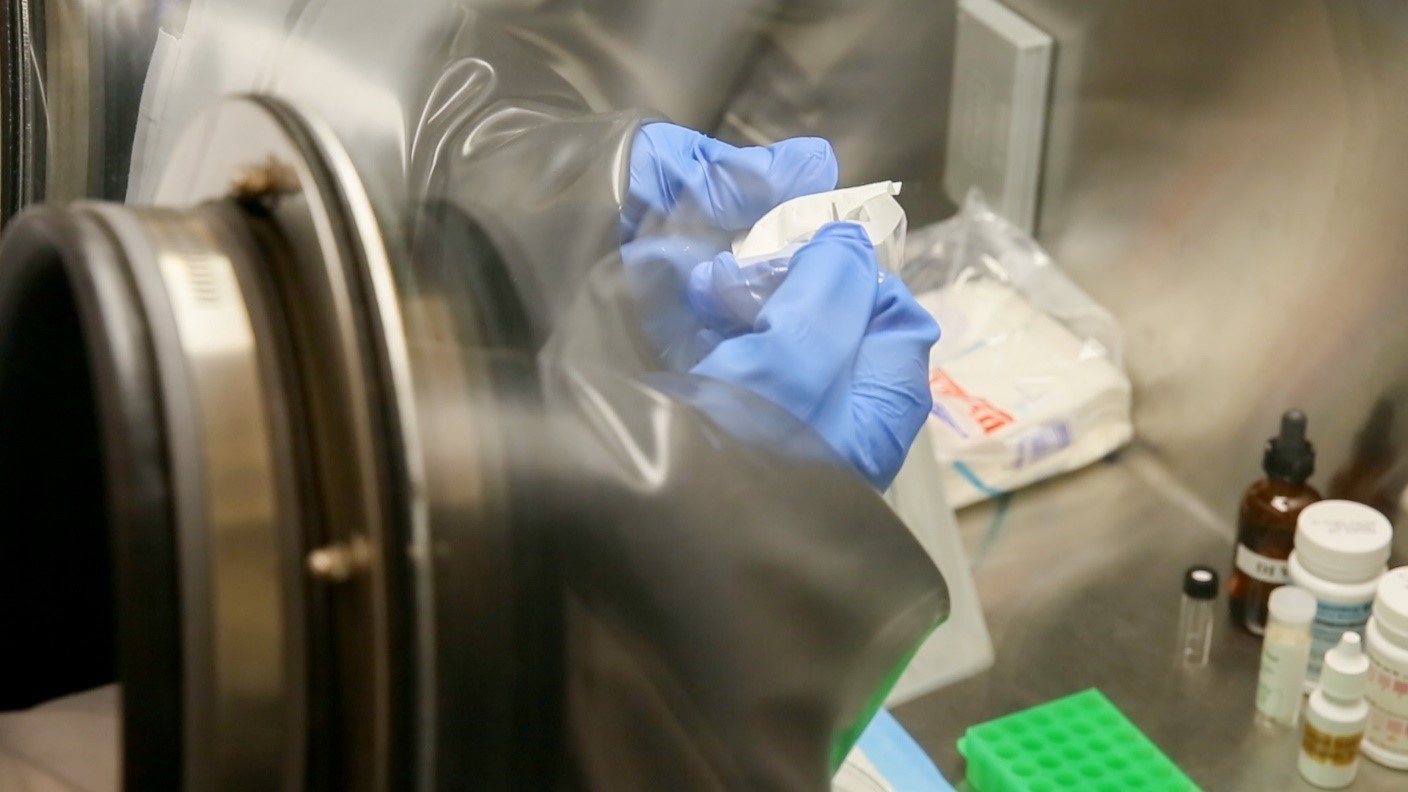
890	393
725	297
656	272
662	266
898	313
809	332
694	179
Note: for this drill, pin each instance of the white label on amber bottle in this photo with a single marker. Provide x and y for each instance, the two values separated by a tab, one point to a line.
1267	570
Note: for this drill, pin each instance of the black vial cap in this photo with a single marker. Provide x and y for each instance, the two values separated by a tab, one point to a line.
1289	456
1200	582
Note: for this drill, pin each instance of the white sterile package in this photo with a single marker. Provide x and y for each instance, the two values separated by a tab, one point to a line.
789	225
764	253
1026	379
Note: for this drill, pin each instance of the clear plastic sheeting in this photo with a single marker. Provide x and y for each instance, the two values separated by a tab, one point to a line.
961	647
1027	380
620	576
73	73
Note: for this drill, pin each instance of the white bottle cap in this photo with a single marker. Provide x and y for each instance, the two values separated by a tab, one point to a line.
1342	541
1346	670
1391	605
1292	605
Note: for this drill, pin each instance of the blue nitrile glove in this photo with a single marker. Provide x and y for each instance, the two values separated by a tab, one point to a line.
683	179
840	351
688	196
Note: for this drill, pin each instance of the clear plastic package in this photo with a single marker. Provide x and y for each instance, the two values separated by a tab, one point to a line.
1026	379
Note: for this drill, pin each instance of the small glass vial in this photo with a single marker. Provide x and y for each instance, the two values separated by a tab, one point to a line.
1285	653
1196	616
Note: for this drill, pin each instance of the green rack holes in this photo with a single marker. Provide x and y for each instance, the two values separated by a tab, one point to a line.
1080	743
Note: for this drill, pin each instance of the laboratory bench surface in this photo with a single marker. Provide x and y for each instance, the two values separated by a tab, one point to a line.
1080	579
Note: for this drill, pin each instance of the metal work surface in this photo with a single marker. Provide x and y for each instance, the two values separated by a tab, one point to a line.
1227	179
1081	583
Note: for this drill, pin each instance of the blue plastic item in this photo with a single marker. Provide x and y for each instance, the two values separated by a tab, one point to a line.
899	758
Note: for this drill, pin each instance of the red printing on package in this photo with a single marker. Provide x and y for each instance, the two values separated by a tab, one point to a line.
983	412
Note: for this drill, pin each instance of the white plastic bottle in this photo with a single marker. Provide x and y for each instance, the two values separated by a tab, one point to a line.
1386	740
1335	717
1285	652
1341	551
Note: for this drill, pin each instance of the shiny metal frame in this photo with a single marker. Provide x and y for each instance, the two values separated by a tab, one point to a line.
234	510
273	161
254	315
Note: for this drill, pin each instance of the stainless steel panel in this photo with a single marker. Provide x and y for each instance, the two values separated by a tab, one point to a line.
1081	587
1231	180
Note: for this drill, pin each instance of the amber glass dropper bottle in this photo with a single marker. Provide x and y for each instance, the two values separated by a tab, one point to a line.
1266	523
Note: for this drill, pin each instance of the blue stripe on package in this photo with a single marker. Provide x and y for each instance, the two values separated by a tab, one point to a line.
899	758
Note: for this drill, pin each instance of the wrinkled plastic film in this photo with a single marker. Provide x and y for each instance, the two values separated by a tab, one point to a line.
32	106
961	647
671	544
977	247
75	72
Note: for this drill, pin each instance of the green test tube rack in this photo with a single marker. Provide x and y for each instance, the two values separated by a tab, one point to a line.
1079	743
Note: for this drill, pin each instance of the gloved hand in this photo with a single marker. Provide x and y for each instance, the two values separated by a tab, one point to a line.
688	197
685	180
841	352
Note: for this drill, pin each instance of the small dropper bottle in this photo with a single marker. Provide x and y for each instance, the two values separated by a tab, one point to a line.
1336	716
1285	652
1195	617
1266	523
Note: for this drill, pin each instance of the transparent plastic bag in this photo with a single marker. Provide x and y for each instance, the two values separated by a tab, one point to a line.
1027	380
961	646
677	536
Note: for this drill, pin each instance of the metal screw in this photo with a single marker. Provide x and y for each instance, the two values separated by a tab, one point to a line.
266	180
339	562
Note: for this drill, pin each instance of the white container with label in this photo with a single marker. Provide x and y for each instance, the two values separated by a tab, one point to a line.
1386	738
1341	550
1285	653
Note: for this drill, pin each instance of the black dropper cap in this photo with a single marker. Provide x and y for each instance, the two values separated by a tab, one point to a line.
1289	456
1200	582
